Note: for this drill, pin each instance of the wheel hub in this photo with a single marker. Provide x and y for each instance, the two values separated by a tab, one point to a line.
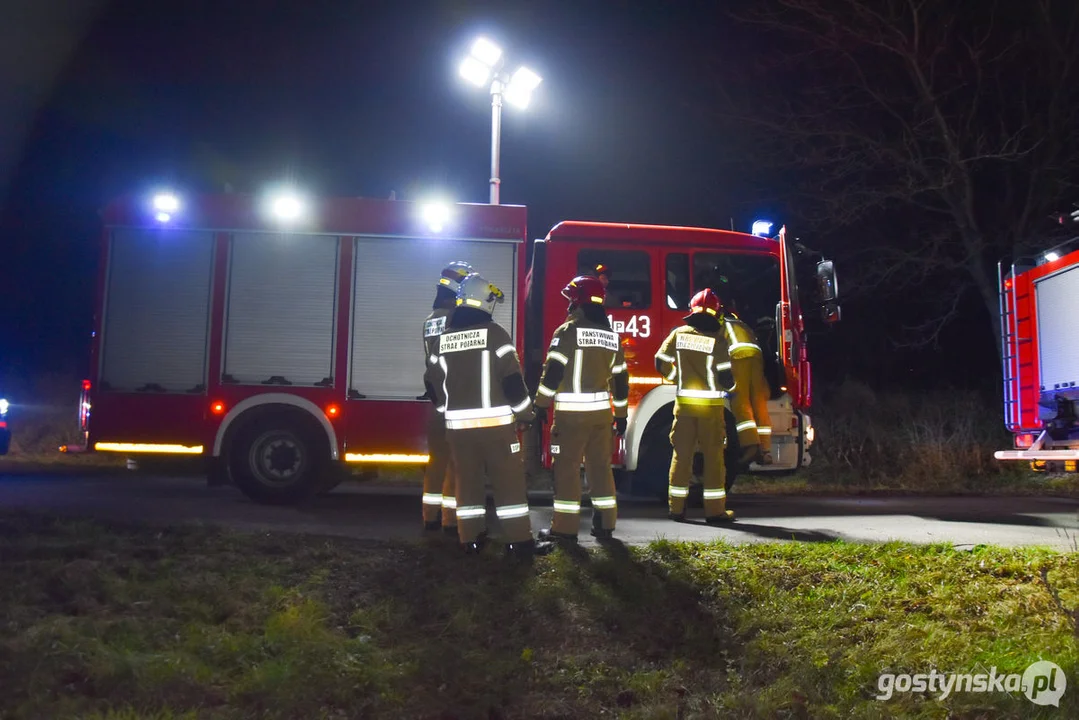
279	459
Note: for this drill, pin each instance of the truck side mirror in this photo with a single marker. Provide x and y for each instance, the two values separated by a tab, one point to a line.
828	290
826	282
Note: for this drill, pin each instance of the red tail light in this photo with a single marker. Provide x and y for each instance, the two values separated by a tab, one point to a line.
1022	442
84	407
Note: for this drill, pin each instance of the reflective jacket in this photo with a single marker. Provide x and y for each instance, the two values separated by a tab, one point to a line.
743	341
477	378
585	369
699	363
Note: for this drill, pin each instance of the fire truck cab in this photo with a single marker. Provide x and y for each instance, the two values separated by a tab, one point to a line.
1040	359
654	271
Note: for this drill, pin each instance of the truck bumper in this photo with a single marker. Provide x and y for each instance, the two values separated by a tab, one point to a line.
1044	449
1037	454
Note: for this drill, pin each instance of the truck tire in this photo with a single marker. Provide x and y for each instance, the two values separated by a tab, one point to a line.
279	459
652	475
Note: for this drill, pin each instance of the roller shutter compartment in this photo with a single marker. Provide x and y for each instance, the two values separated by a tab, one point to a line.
281	309
394	287
156	315
1058	341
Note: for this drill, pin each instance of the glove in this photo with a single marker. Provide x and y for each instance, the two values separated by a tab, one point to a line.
620	426
541	415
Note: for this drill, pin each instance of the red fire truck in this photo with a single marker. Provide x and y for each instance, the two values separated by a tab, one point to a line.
280	338
1038	301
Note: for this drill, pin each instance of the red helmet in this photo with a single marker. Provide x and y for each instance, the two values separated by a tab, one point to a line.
706	301
583	289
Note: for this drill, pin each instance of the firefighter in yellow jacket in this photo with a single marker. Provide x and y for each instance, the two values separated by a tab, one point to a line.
695	356
438	479
749	402
584	377
480	390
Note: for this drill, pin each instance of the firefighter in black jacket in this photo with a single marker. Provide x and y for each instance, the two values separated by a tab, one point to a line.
480	390
439	497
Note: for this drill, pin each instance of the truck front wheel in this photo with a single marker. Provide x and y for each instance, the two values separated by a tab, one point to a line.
278	460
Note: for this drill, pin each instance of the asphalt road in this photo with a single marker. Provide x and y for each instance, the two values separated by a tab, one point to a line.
393	513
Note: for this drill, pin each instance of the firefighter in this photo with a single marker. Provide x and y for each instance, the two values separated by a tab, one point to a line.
695	356
480	390
584	376
438	478
602	272
749	402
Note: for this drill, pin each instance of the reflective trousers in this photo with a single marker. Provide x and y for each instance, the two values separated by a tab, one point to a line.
588	436
750	403
439	483
701	427
494	453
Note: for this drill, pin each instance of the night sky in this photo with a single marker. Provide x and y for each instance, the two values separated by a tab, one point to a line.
362	98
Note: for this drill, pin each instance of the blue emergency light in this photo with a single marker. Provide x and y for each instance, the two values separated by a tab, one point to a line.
762	228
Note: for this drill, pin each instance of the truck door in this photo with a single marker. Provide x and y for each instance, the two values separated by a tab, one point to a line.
792	328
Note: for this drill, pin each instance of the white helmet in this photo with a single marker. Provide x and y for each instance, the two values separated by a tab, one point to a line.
476	292
453	274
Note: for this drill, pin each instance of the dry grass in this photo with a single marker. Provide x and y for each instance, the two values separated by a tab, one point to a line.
939	442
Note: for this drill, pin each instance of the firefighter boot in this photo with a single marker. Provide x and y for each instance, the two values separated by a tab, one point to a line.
476	546
725	518
524	552
599	532
549	535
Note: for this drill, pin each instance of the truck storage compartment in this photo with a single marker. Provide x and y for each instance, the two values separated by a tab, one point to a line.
281	309
156	311
394	285
1058	340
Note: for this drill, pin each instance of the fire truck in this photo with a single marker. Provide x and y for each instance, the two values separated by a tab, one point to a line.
1040	360
279	338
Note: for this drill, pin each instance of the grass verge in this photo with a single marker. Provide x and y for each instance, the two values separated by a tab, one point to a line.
108	621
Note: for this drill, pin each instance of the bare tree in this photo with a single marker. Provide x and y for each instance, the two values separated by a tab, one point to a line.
949	127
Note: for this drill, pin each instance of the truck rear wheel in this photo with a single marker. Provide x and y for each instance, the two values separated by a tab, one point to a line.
652	475
279	460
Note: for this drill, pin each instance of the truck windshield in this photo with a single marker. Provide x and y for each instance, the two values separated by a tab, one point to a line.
749	283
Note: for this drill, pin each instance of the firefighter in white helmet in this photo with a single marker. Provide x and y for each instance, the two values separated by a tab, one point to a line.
477	378
695	356
584	377
749	402
439	499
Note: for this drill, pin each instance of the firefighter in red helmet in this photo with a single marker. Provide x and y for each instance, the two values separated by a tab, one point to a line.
439	499
584	377
695	356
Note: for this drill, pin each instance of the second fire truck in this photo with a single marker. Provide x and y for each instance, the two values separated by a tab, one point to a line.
1039	297
280	339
